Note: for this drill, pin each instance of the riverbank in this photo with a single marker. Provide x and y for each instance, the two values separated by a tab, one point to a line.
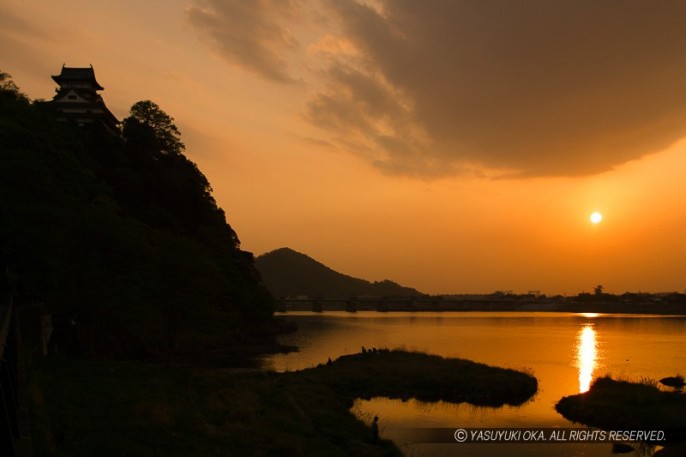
620	405
459	305
105	408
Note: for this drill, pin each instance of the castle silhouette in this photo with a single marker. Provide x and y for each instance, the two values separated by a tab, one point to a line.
77	99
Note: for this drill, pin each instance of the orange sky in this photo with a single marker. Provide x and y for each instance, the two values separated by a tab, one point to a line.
449	146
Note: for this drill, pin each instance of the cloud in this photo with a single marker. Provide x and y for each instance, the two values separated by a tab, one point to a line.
571	87
370	118
537	87
252	34
24	44
12	24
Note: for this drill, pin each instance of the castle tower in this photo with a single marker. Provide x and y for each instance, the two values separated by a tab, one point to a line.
78	99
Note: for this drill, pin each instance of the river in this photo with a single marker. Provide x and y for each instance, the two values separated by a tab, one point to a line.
565	351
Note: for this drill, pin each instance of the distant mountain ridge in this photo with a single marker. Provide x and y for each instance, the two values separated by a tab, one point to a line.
288	273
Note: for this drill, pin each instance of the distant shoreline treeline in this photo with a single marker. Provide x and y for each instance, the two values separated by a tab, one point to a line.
447	304
301	283
118	235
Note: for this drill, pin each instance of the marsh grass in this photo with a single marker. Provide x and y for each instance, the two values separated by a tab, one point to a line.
103	408
617	404
650	382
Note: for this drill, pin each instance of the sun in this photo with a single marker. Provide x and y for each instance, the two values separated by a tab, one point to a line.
596	217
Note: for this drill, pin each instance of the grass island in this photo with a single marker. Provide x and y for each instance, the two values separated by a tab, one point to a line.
89	407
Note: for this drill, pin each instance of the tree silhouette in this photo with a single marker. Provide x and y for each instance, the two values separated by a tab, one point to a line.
9	88
165	187
10	95
150	125
122	231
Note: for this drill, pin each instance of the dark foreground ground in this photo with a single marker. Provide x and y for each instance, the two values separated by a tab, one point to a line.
619	405
104	408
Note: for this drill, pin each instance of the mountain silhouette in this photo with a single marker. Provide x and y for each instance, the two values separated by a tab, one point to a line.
288	273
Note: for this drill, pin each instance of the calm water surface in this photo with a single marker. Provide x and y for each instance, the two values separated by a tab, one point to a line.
564	351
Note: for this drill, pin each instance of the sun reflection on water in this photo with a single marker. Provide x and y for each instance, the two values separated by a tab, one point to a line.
586	356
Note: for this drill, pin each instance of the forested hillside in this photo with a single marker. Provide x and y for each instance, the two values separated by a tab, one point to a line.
121	233
288	273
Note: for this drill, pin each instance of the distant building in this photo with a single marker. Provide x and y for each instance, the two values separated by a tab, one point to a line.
77	98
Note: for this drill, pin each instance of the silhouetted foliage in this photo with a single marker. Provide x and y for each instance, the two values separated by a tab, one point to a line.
8	89
154	128
123	232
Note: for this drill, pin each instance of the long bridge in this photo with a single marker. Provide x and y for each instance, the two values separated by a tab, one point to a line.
385	304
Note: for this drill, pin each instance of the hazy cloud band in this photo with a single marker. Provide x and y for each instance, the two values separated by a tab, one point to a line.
431	87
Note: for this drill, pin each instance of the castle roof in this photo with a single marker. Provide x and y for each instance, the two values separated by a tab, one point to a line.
78	100
72	74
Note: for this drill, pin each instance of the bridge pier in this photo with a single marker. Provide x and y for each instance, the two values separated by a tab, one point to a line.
351	306
281	305
382	306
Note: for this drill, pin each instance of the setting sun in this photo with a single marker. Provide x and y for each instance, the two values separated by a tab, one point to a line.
596	217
